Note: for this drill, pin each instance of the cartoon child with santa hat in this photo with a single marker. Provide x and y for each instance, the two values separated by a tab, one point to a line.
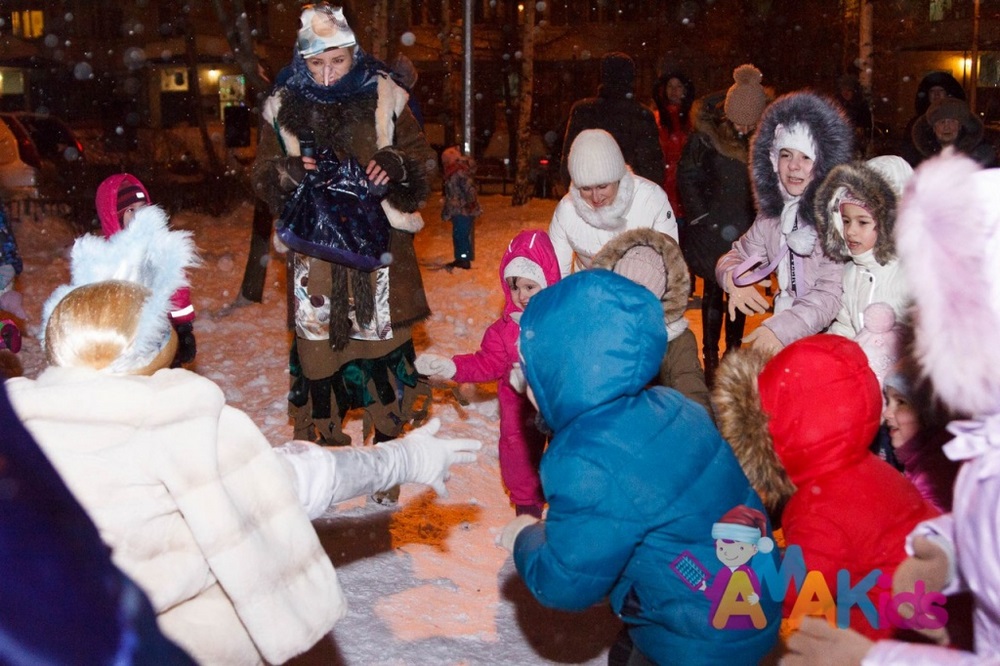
739	535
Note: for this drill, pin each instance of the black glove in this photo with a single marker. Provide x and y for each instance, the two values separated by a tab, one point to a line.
392	163
186	346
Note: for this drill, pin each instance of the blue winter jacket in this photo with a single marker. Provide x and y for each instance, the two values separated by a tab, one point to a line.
634	477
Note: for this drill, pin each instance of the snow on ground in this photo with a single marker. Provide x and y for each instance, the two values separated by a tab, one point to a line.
425	582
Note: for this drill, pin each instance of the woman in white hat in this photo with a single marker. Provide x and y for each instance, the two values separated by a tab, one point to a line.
605	198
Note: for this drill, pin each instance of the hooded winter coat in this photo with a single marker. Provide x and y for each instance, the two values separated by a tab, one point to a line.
634	477
578	231
809	283
521	443
680	368
874	276
182	310
714	183
922	102
971	140
801	425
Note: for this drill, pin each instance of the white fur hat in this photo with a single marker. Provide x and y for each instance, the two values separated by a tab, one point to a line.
595	159
323	27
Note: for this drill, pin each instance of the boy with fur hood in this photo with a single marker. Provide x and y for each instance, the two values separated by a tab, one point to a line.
194	503
654	260
855	216
800	425
800	139
635	477
947	234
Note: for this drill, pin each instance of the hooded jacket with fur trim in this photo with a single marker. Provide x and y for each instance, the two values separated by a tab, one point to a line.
971	140
680	368
800	425
874	276
809	283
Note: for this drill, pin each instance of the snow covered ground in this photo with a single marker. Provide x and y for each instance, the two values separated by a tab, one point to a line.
425	582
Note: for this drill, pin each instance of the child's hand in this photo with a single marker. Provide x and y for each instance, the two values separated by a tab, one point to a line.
816	643
929	565
517	380
763	339
747	299
512	529
432	365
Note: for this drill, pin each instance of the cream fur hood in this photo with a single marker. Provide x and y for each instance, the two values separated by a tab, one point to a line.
195	506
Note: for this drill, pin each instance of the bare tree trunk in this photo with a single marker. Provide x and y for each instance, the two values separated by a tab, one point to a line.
523	187
237	31
449	94
380	28
191	57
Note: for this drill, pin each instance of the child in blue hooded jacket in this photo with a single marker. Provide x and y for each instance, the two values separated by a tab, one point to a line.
635	478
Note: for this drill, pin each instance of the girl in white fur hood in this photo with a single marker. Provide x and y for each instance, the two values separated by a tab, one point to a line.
605	198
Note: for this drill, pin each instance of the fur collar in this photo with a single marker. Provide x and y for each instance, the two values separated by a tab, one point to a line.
866	184
834	142
743	423
674	300
612	216
710	119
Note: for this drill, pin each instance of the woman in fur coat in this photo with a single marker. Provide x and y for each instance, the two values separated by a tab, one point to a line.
352	329
800	425
947	236
605	198
799	140
871	274
195	505
654	260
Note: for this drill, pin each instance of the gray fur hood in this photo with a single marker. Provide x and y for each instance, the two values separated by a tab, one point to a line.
831	132
675	298
864	183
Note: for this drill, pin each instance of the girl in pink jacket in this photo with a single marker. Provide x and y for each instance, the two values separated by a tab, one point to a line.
528	266
118	198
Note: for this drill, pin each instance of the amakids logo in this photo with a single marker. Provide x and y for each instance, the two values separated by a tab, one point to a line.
736	588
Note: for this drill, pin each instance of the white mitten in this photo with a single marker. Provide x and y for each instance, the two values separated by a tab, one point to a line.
517	379
424	458
432	365
512	529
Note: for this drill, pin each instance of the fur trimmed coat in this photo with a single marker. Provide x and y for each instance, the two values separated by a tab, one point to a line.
713	181
195	506
872	277
680	368
361	125
640	203
809	283
806	453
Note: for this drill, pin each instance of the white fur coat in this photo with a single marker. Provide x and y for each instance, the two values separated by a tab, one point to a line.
195	506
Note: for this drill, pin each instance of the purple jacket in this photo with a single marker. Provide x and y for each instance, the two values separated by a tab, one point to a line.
819	280
520	441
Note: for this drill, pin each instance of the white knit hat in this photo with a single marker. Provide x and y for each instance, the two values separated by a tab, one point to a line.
323	27
595	159
525	268
796	136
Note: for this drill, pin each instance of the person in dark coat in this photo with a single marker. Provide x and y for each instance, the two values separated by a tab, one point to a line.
933	87
616	110
949	122
714	183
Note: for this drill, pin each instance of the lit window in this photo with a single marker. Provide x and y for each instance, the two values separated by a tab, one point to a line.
29	23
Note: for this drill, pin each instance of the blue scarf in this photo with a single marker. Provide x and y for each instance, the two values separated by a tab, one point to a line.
361	79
